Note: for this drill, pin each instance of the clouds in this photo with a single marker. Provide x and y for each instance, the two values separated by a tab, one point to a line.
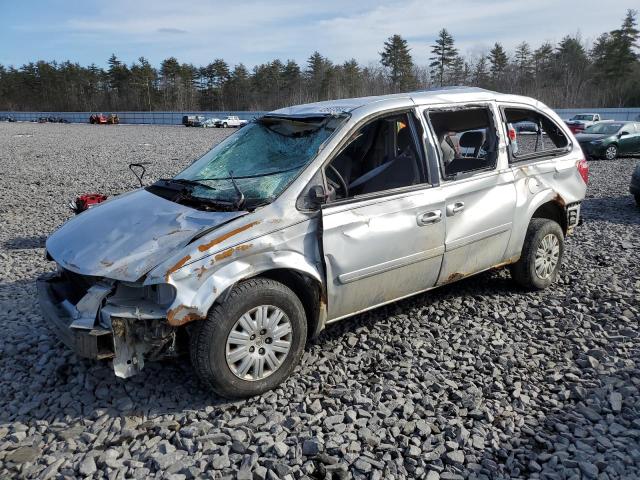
172	31
253	31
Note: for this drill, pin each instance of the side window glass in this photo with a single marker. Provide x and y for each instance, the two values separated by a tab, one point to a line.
466	139
382	155
532	133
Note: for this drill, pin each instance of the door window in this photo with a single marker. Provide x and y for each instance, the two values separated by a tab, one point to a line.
532	134
466	139
382	155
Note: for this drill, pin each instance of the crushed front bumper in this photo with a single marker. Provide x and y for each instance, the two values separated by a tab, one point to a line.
53	295
103	319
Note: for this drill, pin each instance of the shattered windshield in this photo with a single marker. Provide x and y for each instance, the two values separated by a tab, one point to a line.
259	161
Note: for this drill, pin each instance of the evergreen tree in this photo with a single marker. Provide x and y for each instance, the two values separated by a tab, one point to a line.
458	74
498	61
318	73
443	56
396	57
480	72
352	77
564	75
523	59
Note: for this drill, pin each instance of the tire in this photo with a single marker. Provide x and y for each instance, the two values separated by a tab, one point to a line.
524	271
211	343
224	125
611	152
637	197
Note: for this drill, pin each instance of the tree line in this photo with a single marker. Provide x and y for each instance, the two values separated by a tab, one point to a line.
569	74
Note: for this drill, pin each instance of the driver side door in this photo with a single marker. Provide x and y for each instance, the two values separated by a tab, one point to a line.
629	143
383	228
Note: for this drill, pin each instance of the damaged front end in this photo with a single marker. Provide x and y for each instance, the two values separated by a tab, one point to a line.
107	319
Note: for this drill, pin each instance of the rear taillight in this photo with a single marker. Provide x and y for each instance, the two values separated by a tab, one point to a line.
583	169
512	134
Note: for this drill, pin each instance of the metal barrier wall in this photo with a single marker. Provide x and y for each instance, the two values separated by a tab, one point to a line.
155	118
175	118
632	114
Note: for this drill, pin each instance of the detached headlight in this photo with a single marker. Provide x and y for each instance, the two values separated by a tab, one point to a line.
596	142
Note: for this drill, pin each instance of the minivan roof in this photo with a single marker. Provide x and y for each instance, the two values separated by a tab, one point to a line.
419	97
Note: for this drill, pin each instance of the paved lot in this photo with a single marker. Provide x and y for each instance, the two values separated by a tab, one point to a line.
474	380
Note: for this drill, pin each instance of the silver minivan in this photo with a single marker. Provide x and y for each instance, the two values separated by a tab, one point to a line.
309	215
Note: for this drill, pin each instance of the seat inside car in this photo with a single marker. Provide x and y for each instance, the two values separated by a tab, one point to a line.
401	170
472	141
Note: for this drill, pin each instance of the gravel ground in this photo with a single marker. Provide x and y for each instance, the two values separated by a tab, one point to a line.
474	380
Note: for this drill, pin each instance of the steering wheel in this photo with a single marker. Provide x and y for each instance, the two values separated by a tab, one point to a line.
340	183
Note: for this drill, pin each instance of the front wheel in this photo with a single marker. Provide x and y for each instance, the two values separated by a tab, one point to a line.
541	255
611	152
224	125
252	342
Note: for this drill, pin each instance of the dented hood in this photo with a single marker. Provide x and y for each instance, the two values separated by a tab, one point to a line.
125	237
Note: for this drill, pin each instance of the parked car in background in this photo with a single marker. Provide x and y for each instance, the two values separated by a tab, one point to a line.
579	122
309	215
113	119
526	127
98	118
634	188
7	118
231	121
608	139
192	120
210	123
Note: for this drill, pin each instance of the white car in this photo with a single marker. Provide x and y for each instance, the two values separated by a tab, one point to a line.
309	215
231	121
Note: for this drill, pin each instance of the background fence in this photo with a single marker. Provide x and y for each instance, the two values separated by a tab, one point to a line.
175	118
155	118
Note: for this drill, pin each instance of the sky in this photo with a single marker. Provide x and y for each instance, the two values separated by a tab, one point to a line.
254	32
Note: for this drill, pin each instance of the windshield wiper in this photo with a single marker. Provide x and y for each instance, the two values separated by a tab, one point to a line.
186	181
240	201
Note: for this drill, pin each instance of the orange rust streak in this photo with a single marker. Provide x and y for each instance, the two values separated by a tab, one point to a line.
177	266
222	238
454	277
226	254
186	318
201	271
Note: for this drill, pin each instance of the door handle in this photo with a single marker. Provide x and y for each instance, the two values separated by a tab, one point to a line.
428	218
454	208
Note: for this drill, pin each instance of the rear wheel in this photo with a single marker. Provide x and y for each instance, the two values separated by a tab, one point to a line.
251	342
611	152
541	255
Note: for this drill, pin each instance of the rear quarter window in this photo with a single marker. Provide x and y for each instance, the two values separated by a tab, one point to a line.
533	135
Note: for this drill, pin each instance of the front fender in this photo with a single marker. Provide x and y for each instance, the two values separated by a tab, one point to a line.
199	285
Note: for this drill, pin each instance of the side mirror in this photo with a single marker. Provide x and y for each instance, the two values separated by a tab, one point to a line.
623	133
317	195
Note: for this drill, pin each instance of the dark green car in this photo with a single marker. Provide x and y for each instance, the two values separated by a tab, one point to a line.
610	139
